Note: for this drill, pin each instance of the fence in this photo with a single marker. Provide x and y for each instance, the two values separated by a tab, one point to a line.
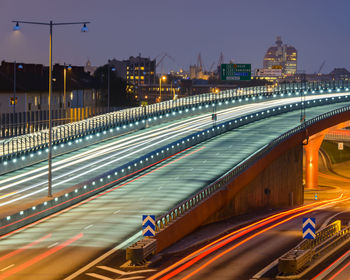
19	123
96	124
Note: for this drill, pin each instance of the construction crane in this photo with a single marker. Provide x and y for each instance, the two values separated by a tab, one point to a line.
321	67
221	59
162	56
200	63
211	67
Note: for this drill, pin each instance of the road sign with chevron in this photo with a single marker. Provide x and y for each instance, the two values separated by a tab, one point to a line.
148	225
309	228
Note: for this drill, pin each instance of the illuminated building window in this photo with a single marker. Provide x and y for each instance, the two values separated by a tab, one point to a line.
136	77
131	77
142	68
142	77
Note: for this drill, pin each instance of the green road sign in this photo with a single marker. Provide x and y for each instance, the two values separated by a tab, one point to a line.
236	72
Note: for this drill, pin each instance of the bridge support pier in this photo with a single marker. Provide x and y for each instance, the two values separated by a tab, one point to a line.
311	160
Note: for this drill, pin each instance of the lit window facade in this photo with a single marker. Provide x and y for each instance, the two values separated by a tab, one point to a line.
281	56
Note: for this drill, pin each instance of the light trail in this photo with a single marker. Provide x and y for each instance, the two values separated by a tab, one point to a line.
40	257
22	249
93	197
332	266
240	243
85	167
238	233
154	137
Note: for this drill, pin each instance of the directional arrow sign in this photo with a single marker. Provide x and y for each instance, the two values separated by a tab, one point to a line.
148	225
309	228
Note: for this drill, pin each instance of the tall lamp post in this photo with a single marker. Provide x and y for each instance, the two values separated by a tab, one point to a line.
110	68
65	67
160	87
50	24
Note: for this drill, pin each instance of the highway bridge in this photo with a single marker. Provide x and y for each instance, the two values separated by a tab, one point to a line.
168	169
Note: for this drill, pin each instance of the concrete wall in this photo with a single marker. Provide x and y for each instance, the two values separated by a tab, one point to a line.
279	184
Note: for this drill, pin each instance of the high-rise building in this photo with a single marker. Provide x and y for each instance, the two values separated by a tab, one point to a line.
281	57
137	71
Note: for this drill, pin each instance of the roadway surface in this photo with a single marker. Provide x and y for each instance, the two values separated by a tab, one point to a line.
66	241
27	185
244	256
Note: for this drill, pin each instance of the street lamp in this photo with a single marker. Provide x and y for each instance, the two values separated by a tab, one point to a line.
50	24
110	68
160	87
65	67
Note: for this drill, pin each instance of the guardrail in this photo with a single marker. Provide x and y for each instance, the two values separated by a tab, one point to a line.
63	133
334	136
229	176
296	263
296	259
105	181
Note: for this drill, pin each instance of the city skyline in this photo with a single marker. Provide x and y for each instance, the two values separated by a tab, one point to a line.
120	29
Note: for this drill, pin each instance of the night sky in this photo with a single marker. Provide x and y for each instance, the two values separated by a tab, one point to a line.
241	29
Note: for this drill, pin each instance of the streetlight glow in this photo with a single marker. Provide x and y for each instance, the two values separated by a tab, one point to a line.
84	28
16	27
160	87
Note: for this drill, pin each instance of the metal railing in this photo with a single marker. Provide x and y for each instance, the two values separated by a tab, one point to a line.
99	123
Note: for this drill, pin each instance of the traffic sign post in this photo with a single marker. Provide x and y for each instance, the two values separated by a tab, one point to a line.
148	225
309	228
236	72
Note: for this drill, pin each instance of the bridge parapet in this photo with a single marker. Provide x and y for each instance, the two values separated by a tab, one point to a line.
127	120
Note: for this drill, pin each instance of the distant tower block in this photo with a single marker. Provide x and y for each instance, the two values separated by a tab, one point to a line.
281	57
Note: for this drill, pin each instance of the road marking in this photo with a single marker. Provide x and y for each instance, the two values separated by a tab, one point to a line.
264	270
98	276
117	271
89	226
54	244
115	212
7	267
130	240
331	217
